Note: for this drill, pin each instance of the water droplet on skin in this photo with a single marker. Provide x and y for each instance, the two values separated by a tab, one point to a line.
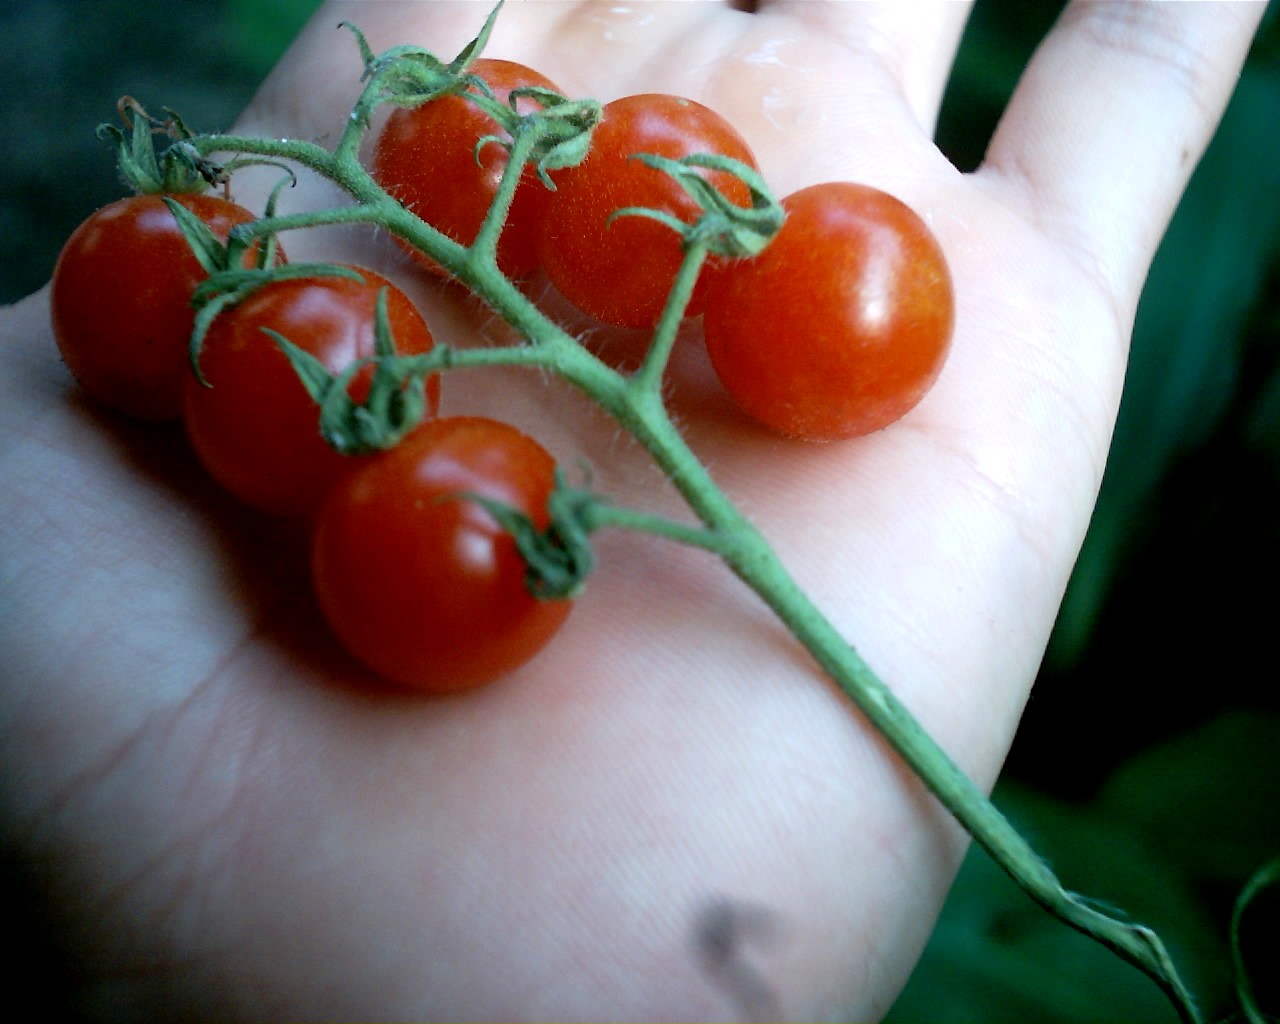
775	104
773	71
767	53
620	19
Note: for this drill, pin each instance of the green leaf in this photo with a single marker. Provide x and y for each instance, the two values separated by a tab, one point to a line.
135	158
567	153
1186	359
996	957
206	313
142	150
397	397
1209	798
1267	877
489	140
540	94
263	31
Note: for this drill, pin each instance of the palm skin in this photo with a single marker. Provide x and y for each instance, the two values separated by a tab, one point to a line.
232	823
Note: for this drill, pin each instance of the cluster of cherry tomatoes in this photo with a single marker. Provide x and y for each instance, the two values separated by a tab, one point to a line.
417	581
867	294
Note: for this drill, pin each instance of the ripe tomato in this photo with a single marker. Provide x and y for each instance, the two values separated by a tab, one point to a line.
621	273
425	157
418	582
256	429
844	321
121	300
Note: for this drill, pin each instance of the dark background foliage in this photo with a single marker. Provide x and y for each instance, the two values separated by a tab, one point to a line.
1146	769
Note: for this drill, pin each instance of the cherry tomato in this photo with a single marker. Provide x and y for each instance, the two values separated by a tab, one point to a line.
621	273
844	321
425	157
121	301
255	428
419	583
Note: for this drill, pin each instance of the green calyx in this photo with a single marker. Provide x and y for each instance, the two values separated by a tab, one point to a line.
723	228
396	401
230	278
558	559
409	76
561	129
178	169
231	286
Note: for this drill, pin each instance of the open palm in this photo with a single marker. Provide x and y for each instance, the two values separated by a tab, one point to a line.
668	814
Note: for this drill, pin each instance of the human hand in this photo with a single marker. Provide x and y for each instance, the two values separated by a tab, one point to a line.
237	827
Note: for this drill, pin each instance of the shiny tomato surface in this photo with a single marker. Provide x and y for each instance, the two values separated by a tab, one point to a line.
621	271
121	301
426	158
421	584
255	427
842	324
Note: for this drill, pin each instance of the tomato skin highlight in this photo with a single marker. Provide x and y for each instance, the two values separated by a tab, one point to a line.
425	157
842	324
121	301
422	585
256	429
621	273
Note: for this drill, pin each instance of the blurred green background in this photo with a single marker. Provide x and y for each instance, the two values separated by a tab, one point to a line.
1148	767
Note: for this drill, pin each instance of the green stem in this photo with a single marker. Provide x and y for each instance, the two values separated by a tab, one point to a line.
447	358
753	560
267	226
604	515
485	246
649	377
308	154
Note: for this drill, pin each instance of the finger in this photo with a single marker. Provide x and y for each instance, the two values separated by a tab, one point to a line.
1109	120
594	48
915	44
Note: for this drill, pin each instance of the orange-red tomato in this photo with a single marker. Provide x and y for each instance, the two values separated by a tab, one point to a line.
621	272
255	428
121	301
423	585
842	324
425	157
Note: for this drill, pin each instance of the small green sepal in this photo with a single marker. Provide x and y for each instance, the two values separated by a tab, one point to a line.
397	400
474	48
724	227
559	559
210	252
410	75
224	289
177	169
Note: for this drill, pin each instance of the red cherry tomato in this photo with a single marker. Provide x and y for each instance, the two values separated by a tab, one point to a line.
621	273
844	321
425	157
121	301
255	428
423	585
